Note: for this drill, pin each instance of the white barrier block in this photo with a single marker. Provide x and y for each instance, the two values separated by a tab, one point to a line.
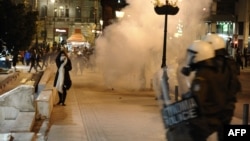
44	79
26	136
2	115
11	113
45	103
20	98
24	122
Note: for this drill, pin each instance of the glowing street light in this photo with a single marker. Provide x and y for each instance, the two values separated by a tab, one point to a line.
119	14
101	23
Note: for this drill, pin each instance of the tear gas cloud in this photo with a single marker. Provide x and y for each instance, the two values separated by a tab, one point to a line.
129	54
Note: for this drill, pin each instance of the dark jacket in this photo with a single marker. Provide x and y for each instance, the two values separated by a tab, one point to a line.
210	88
67	67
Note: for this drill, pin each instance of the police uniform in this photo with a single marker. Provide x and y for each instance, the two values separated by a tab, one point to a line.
209	87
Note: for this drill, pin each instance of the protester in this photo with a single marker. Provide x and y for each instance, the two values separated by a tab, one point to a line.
14	60
245	56
27	56
62	81
32	60
37	59
44	57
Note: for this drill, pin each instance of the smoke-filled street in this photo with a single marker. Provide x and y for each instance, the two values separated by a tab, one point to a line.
94	112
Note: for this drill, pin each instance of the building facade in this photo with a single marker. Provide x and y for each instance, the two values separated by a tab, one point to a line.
230	19
59	19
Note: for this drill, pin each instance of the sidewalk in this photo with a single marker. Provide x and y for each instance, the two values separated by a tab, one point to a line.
95	113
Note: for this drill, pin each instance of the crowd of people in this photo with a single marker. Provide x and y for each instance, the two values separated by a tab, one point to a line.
39	58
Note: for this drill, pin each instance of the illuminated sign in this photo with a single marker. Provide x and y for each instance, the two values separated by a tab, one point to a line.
61	30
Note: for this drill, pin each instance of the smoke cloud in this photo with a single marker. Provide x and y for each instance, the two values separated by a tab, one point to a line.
129	53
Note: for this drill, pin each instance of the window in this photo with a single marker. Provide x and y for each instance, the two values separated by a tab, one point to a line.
78	14
61	11
44	11
66	11
55	12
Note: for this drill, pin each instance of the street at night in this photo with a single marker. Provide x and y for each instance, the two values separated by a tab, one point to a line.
93	111
124	70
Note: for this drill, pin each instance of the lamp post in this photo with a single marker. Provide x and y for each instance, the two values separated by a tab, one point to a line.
54	22
96	16
169	8
45	30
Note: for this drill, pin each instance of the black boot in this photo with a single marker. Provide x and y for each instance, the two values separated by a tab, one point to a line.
64	97
60	98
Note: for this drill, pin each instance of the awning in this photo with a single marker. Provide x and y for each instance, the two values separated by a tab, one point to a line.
215	18
76	37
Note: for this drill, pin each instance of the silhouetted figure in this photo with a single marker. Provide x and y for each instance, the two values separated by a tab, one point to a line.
44	58
27	56
37	59
245	56
15	60
239	60
62	81
33	61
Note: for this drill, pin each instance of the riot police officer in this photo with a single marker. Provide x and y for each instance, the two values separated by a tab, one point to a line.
207	87
227	67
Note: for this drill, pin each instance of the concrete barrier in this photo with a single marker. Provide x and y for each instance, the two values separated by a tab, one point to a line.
44	104
21	97
27	136
49	86
17	110
44	80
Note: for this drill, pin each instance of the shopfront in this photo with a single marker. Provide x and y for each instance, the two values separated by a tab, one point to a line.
61	35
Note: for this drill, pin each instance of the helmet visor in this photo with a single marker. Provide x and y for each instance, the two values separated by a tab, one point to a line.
190	55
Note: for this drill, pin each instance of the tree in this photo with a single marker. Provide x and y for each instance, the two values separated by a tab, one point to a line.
18	25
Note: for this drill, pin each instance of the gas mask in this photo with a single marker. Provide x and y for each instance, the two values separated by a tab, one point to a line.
189	65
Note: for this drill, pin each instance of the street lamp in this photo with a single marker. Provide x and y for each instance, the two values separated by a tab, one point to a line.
119	14
169	8
101	23
54	22
45	30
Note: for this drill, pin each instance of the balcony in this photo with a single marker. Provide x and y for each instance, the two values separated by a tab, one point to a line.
67	19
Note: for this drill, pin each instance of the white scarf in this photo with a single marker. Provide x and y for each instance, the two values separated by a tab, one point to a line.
60	78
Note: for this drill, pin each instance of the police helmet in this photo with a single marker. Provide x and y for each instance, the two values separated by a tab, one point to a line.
199	51
216	41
